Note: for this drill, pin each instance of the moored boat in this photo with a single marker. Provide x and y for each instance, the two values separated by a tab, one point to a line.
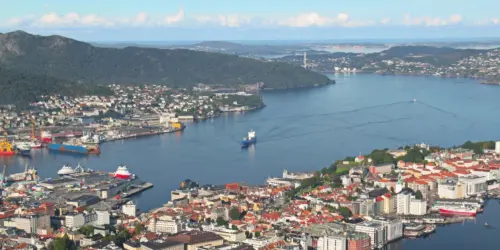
458	210
74	146
122	172
23	147
66	170
6	148
46	137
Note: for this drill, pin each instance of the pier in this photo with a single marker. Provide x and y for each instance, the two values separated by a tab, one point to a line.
137	189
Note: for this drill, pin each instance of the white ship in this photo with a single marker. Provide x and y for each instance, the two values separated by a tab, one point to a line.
122	172
66	170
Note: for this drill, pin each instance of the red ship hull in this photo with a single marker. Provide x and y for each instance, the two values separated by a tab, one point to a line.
46	140
121	176
9	153
454	212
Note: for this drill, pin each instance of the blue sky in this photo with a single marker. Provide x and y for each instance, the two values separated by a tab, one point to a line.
159	20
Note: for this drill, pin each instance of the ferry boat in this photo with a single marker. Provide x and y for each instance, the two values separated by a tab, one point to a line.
250	139
66	170
458	210
122	172
23	147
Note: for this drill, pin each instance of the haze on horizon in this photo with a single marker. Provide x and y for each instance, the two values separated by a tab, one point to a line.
197	20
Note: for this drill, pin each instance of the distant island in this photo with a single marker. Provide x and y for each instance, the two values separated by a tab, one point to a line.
81	64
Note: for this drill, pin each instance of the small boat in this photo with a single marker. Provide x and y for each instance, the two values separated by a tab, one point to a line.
486	224
414	100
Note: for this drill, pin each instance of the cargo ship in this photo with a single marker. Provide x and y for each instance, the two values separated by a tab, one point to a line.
74	146
249	140
458	210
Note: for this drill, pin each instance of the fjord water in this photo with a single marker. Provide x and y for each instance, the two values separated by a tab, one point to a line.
305	130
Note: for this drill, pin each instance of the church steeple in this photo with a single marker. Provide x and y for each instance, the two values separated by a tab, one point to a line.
399	184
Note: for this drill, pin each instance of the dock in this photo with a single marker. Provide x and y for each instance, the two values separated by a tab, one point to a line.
137	189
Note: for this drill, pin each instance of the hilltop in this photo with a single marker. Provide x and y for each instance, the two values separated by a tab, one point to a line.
80	62
22	88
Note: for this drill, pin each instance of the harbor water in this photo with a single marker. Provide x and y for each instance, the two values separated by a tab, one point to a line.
305	130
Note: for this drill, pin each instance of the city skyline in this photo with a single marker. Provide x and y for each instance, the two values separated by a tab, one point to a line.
156	20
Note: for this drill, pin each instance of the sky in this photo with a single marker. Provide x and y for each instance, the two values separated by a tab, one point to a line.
197	20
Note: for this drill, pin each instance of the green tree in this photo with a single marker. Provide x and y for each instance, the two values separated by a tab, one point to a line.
87	230
220	221
257	234
208	220
138	228
234	227
418	195
234	213
345	212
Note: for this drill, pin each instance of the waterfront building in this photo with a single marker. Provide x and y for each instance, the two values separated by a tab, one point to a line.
473	185
393	227
296	175
408	204
497	147
450	189
358	241
375	230
129	209
332	241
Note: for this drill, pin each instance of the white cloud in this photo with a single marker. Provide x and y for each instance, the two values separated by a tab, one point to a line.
432	21
385	20
178	17
315	19
71	20
230	20
141	18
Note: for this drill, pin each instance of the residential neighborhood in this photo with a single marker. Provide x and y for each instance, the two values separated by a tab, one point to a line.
357	203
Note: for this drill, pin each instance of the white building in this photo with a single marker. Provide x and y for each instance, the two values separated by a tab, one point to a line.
375	230
497	147
407	204
31	223
129	209
74	220
473	184
164	226
230	234
332	242
393	228
418	207
449	189
103	218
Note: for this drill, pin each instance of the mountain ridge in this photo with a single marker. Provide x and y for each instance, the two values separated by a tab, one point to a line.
81	62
